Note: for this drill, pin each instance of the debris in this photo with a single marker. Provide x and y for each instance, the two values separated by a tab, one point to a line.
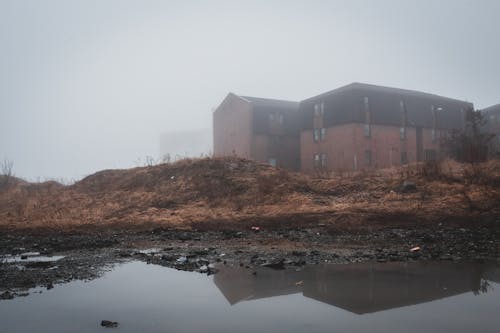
256	229
181	260
299	283
415	249
109	324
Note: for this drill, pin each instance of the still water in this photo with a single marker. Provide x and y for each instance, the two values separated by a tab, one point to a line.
391	297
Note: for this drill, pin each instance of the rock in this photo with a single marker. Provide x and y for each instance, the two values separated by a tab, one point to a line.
109	324
6	295
406	187
275	264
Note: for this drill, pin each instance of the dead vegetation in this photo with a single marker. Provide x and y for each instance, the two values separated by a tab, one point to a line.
237	193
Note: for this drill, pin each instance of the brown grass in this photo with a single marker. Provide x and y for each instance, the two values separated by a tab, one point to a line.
236	193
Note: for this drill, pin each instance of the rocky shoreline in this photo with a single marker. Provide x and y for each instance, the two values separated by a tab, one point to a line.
86	256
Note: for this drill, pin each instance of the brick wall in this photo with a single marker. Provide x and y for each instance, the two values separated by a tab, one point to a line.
232	123
346	147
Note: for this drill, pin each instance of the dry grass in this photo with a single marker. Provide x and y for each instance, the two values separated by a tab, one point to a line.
235	193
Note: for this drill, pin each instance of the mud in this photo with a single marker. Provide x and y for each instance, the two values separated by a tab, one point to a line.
86	255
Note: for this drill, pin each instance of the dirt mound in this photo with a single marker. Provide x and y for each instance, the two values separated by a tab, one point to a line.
228	191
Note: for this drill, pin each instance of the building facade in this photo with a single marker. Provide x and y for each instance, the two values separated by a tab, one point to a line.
361	126
355	127
492	126
264	130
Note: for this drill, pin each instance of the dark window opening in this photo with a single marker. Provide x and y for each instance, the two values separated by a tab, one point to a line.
430	155
368	157
404	158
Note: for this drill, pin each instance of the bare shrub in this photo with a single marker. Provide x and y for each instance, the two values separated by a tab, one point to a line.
6	174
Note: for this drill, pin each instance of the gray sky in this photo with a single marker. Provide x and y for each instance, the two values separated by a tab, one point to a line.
91	84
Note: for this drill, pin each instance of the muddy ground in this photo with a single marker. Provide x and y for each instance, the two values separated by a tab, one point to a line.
87	255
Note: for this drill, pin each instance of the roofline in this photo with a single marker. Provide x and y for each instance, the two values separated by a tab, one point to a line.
493	108
266	99
354	85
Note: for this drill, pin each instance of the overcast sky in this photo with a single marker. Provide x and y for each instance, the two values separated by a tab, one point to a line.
91	84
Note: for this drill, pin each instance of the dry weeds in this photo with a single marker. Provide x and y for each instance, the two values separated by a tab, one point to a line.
235	193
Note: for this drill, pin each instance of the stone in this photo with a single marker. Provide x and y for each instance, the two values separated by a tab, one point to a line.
109	324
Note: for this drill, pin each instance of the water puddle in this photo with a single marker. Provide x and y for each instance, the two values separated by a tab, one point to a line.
368	297
29	257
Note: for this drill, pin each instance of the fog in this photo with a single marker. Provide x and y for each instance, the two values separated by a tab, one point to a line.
91	84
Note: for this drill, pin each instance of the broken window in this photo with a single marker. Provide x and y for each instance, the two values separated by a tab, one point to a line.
368	157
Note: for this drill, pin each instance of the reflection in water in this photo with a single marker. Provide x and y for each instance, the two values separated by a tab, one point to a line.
361	288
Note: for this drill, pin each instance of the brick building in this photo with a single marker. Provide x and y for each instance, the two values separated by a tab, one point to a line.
361	126
492	116
264	130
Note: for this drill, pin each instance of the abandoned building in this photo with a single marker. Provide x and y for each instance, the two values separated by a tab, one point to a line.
264	130
362	126
492	126
355	127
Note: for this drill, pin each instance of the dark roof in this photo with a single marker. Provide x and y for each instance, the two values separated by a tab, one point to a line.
494	108
263	107
267	103
346	105
390	90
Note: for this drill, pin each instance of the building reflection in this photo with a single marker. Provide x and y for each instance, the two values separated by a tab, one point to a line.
360	288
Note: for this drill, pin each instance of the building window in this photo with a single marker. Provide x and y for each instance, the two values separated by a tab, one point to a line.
434	123
368	157
404	116
273	162
368	120
317	161
402	133
367	130
271	117
322	134
281	118
320	161
430	155
323	160
316	134
319	109
404	158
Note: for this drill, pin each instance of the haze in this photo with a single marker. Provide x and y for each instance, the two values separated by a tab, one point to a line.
89	85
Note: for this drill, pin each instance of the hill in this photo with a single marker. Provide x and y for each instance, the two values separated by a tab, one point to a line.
236	193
